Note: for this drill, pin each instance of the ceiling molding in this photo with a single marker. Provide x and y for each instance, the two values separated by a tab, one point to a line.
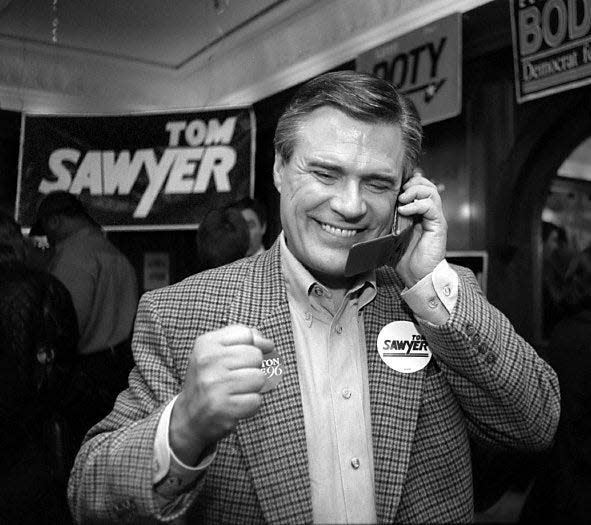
288	45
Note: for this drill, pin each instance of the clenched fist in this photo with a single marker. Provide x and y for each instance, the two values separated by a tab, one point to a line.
222	386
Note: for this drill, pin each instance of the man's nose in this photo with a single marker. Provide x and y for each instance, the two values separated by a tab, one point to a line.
348	200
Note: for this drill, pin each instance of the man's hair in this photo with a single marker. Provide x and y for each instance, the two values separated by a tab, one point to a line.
222	238
60	203
252	204
12	243
360	96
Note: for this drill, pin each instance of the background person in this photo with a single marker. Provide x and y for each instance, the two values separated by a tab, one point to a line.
222	238
39	335
556	258
104	290
255	215
342	437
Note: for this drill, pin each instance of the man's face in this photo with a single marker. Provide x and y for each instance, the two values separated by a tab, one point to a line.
339	188
256	230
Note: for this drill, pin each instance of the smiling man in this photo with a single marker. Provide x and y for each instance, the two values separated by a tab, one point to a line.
372	384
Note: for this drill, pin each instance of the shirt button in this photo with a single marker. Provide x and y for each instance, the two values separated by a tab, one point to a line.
470	330
307	316
446	291
339	329
318	291
346	393
355	463
432	303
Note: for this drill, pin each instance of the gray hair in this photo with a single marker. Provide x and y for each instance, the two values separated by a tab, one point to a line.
360	96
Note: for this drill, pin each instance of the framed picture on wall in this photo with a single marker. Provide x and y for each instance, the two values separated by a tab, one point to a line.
476	260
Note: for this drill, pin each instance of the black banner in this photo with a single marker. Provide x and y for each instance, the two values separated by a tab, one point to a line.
154	170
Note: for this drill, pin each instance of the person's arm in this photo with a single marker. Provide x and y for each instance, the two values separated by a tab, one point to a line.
113	475
509	395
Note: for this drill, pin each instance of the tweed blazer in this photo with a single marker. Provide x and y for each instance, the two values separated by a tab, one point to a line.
483	381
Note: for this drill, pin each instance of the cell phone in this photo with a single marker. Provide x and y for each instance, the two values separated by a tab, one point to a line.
387	249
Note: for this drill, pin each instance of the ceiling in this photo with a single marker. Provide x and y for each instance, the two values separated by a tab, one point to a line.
104	56
150	32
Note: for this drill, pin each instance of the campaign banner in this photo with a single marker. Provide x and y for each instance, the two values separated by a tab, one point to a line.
551	46
138	171
425	65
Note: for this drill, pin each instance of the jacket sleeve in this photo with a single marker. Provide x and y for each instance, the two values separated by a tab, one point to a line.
509	395
112	478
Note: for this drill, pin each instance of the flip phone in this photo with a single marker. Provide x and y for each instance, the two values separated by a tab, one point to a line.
387	249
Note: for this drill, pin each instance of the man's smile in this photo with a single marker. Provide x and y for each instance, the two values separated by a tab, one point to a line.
338	232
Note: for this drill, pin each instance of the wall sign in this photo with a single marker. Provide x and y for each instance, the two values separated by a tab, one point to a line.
426	65
551	46
140	171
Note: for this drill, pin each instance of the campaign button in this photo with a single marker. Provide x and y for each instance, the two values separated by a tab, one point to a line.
402	347
272	367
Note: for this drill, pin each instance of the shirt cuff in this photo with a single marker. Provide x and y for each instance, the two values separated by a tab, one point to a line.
434	297
170	475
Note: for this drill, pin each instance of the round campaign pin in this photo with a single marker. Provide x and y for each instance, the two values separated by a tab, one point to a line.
272	367
402	347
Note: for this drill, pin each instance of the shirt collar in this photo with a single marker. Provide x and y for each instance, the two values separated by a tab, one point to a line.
302	286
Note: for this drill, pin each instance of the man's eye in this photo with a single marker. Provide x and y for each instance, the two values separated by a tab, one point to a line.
379	186
323	175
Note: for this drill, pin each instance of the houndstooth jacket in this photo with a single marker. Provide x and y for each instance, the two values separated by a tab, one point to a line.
484	381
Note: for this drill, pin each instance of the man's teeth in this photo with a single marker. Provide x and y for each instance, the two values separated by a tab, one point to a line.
337	231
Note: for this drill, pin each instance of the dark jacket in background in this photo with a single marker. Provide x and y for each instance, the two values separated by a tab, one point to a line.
562	490
36	312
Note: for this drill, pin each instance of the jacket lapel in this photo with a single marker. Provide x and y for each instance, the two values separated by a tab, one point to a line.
395	401
274	440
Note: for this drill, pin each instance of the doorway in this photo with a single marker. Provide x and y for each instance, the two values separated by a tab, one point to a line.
566	230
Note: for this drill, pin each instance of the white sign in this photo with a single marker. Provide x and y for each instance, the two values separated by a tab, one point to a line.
426	65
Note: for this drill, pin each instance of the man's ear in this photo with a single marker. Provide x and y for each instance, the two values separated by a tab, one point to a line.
278	167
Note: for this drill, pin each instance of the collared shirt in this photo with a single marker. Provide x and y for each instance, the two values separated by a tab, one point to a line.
336	386
103	286
332	369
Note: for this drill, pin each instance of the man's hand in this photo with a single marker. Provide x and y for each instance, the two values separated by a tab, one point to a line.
222	385
419	196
